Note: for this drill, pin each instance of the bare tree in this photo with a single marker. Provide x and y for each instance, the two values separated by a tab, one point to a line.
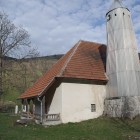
14	42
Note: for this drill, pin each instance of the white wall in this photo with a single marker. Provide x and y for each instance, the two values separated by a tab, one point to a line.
77	100
56	104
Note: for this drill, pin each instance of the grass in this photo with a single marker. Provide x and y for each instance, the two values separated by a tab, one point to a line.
97	129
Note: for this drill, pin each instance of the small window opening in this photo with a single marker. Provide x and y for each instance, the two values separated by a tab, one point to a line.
108	17
115	14
123	14
93	108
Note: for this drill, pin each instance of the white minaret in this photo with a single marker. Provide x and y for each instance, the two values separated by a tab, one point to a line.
123	68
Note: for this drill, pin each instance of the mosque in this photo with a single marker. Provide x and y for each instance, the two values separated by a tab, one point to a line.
91	79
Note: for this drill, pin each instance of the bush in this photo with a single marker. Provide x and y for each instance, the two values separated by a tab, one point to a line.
7	107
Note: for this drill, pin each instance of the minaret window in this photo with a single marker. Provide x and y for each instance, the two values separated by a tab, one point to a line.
108	17
115	14
123	14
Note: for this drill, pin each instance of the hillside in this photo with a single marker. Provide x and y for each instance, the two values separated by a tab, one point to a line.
21	74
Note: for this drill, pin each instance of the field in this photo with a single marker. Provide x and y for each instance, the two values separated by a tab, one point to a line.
98	129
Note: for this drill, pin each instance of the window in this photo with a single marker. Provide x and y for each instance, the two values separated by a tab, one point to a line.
115	14
93	107
108	17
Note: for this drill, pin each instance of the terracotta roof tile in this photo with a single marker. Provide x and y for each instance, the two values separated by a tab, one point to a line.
83	61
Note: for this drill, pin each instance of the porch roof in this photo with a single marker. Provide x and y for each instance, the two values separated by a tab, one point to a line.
86	60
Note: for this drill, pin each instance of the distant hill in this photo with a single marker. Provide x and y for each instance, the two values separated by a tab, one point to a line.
58	56
45	57
9	58
21	74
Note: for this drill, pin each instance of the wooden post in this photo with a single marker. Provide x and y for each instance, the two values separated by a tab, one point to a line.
28	107
22	105
1	69
33	108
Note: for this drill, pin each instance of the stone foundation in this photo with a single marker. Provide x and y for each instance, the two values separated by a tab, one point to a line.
122	107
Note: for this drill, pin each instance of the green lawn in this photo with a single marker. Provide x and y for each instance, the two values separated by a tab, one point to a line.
97	129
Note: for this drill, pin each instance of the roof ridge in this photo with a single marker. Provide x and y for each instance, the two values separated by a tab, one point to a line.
68	66
88	41
63	68
68	60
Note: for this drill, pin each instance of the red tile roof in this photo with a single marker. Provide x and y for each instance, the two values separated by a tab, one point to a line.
83	61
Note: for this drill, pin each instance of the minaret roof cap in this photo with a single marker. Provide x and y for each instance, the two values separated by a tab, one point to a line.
116	4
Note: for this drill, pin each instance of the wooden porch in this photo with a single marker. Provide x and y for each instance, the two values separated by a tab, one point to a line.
36	110
45	117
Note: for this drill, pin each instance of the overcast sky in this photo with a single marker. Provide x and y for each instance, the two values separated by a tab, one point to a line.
56	25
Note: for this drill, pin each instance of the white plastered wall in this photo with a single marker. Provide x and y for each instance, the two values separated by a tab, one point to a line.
77	100
56	104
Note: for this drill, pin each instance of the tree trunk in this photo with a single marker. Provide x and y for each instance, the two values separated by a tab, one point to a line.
1	70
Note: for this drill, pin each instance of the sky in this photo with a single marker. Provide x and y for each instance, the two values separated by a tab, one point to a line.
56	25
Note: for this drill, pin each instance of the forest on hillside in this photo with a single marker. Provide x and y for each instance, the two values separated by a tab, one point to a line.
18	75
